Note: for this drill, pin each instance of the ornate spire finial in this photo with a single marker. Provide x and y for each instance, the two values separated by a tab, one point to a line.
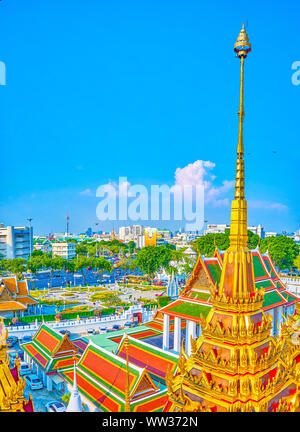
242	46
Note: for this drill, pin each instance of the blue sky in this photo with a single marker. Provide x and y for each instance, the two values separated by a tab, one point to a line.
96	90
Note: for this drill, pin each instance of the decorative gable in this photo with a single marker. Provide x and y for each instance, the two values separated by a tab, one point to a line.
6	294
64	347
145	384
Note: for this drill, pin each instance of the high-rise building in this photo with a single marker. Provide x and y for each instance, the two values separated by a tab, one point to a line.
128	233
16	242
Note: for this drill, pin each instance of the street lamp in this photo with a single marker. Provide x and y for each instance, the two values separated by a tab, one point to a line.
29	220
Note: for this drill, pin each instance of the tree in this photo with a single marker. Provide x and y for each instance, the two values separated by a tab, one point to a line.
111	299
35	263
151	259
131	246
84	264
37	253
253	240
187	266
283	250
81	248
17	266
101	265
206	244
124	264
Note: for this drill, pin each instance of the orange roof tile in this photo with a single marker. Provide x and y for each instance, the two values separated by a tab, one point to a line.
26	300
23	288
11	305
11	284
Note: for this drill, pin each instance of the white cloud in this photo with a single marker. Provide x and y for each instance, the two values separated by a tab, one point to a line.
200	173
86	192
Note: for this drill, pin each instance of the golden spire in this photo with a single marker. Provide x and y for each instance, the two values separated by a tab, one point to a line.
112	237
234	281
238	231
242	47
127	391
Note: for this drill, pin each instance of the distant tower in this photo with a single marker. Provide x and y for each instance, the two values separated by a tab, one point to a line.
68	217
112	237
75	404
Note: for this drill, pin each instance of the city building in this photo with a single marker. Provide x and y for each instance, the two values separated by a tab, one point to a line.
15	242
220	228
259	230
271	234
131	233
89	232
216	228
65	250
150	236
44	246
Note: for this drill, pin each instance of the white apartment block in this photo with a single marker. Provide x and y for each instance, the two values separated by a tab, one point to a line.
220	228
128	233
258	230
64	249
15	242
216	228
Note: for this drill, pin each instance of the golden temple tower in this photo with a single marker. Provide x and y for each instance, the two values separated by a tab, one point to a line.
236	365
11	384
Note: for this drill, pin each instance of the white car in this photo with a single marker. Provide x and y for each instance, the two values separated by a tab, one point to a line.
24	369
55	406
34	382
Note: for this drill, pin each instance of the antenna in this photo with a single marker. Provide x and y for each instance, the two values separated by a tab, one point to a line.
67	218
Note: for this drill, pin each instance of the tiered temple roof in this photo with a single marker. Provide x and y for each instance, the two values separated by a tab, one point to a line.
14	295
195	299
52	351
156	361
102	378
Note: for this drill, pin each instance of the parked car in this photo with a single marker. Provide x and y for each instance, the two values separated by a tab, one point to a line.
24	369
11	341
55	406
26	339
34	382
91	331
128	324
